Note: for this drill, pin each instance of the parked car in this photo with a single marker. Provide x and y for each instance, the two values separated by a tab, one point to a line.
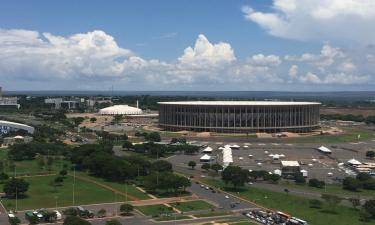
85	213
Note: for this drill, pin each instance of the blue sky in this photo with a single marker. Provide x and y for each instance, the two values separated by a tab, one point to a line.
246	45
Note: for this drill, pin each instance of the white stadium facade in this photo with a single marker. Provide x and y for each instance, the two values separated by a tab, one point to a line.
239	116
120	110
7	126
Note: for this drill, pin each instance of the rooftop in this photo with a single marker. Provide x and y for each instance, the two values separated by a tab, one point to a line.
240	103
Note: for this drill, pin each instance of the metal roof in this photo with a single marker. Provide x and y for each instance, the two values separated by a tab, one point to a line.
239	103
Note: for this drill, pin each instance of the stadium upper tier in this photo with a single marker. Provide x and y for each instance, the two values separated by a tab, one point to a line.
239	116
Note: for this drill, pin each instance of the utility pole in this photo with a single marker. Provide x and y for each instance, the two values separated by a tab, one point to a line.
74	183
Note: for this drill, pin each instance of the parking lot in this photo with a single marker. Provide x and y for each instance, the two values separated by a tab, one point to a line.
256	156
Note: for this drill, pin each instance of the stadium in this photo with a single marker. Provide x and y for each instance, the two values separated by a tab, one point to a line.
239	116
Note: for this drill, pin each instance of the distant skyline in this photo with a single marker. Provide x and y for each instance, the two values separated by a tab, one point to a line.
188	45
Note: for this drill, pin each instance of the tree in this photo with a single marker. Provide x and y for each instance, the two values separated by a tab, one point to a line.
113	222
370	154
364	216
299	179
15	187
216	167
351	184
161	166
49	163
125	209
63	173
369	206
315	203
127	145
316	183
93	119
74	220
78	120
235	175
70	212
101	213
40	161
192	164
205	166
57	181
355	202
332	201
3	177
14	220
274	178
369	184
363	177
153	136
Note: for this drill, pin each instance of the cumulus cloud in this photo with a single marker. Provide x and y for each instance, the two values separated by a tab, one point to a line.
204	54
293	70
95	56
348	20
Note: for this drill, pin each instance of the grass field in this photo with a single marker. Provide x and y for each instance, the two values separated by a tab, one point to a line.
130	189
243	223
297	206
350	135
330	189
43	195
154	210
192	205
29	167
171	218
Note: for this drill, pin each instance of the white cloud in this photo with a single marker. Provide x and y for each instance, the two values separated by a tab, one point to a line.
310	78
293	71
207	55
348	20
262	60
95	57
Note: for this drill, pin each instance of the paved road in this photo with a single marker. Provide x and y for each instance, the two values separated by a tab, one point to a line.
219	199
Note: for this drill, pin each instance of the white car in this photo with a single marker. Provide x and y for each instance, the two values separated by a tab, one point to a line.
226	196
58	215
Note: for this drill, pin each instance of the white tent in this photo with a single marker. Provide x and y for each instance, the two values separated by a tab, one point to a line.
208	149
324	150
304	173
205	158
233	146
354	162
227	156
277	172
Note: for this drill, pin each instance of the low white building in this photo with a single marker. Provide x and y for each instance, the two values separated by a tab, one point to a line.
205	158
120	110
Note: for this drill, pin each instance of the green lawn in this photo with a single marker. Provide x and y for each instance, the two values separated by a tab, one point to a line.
29	167
330	189
350	135
172	217
244	223
297	206
42	195
155	210
131	189
192	205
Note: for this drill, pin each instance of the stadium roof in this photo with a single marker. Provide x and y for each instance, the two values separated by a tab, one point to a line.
240	103
21	126
120	110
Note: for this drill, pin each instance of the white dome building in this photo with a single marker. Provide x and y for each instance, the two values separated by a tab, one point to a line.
120	110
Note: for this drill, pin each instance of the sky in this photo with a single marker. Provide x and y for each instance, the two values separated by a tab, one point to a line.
188	45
